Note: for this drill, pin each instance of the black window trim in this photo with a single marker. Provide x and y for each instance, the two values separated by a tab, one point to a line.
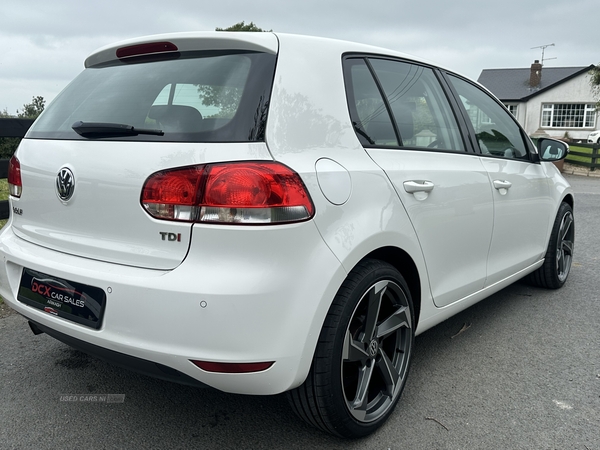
386	102
462	119
463	126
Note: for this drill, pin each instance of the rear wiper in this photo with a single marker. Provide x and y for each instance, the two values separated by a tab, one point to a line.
102	130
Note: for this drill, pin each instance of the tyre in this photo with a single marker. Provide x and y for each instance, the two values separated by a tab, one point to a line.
559	256
363	355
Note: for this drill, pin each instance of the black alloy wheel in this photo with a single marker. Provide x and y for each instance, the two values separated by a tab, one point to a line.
363	355
559	255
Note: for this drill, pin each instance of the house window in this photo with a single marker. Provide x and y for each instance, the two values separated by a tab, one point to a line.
512	109
568	115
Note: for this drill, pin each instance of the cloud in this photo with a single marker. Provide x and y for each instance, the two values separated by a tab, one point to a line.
45	43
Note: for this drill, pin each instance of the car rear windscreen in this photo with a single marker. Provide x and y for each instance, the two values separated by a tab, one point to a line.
216	96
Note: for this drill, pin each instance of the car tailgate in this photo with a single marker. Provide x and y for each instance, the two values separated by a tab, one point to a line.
104	218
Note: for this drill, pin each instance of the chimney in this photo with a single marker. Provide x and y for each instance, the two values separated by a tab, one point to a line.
536	74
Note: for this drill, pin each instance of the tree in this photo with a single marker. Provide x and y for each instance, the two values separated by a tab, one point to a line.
595	82
241	26
30	111
226	98
8	147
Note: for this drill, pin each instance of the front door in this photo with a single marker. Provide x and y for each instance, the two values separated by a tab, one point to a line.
522	201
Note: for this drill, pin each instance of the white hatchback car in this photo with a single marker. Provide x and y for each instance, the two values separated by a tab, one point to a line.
261	212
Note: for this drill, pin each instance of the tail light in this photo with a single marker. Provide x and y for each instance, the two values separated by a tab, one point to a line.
255	192
15	186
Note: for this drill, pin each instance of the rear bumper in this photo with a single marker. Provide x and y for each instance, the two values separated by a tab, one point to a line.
243	294
138	365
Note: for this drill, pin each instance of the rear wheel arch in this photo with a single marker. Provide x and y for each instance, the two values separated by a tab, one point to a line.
362	359
404	264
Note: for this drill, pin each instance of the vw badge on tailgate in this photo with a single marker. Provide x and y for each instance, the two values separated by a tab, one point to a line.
65	184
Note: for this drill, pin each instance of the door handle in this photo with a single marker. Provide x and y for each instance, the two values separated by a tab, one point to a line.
502	184
418	186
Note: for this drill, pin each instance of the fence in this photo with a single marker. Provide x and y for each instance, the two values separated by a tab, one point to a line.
10	128
593	156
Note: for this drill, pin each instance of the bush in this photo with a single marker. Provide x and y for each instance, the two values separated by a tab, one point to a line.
30	111
8	147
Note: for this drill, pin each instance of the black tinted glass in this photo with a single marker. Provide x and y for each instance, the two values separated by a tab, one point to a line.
495	128
419	106
196	97
370	117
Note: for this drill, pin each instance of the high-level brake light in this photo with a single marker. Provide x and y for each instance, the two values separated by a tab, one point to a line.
146	49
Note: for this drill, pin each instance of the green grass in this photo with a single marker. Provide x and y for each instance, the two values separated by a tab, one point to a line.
580	158
3	189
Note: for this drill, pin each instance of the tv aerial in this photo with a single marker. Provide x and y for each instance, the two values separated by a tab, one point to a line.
543	47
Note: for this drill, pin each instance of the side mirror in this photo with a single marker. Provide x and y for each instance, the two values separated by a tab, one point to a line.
552	149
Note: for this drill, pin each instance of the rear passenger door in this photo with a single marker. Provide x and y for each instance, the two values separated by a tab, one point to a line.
402	117
522	202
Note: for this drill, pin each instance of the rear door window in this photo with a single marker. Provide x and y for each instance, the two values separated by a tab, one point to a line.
419	105
397	104
370	116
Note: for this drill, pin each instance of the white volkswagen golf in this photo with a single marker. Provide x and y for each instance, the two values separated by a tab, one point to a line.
261	212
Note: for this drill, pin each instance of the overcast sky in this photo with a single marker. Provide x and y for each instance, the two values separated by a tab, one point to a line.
44	43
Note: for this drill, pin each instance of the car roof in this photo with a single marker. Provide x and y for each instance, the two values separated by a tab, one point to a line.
252	41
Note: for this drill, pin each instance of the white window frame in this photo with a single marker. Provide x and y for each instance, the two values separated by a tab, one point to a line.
554	115
512	108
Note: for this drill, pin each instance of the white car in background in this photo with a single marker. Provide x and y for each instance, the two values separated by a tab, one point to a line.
594	137
262	212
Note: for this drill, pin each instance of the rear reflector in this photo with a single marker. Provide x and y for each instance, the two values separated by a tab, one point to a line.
245	193
233	367
146	49
15	186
